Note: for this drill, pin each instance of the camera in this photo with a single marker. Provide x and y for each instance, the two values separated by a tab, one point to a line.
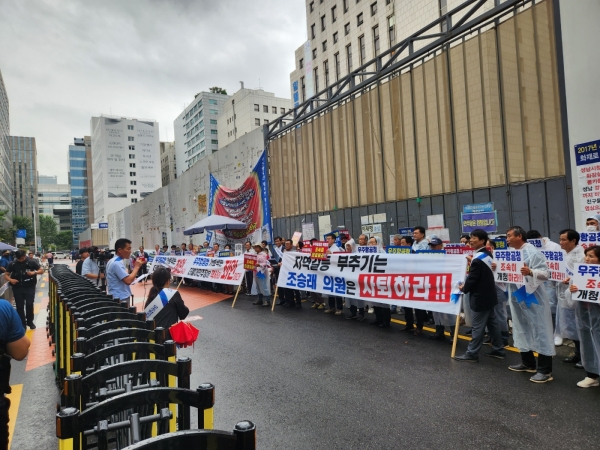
100	256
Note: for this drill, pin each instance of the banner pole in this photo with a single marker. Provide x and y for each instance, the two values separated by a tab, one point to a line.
456	325
236	295
274	298
180	281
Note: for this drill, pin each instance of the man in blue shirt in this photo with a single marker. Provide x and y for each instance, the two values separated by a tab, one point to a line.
13	343
4	262
116	274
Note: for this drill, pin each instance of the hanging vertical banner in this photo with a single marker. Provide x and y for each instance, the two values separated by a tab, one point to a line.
249	203
587	159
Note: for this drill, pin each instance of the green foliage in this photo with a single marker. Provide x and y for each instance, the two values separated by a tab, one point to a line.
22	223
217	90
64	240
48	230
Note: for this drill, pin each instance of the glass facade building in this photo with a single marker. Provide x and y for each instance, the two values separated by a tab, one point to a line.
6	184
25	176
79	158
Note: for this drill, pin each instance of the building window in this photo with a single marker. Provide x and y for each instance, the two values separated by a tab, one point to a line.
336	61
214	112
133	182
312	6
443	11
359	19
345	5
349	57
212	102
130	127
303	85
257	122
326	71
373	8
335	37
213	131
132	165
301	63
362	51
134	200
131	156
316	78
333	14
132	174
376	40
312	31
314	54
281	110
347	29
265	108
322	23
266	121
130	138
391	30
133	191
256	107
132	147
214	141
324	45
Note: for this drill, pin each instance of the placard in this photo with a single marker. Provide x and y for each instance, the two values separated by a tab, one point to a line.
318	250
249	261
202	268
508	266
486	221
556	260
308	231
296	238
587	280
589	238
370	229
478	207
366	249
405	231
398	249
435	221
587	159
537	243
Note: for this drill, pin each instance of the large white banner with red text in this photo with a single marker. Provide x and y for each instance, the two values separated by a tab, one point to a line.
215	270
420	281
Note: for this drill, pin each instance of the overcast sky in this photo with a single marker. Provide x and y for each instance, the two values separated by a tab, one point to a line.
64	61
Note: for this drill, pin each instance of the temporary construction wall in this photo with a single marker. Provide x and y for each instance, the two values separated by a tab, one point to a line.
161	217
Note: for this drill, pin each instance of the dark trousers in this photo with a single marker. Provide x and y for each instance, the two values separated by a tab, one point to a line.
24	298
4	408
421	317
290	294
544	362
383	314
361	311
481	320
577	348
249	277
336	303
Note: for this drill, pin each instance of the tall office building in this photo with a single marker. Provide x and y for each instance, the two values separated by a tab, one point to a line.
54	200
25	176
126	162
80	180
247	110
196	131
168	166
6	185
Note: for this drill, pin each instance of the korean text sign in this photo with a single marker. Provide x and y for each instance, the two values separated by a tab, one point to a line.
319	250
587	280
556	260
418	281
508	266
216	270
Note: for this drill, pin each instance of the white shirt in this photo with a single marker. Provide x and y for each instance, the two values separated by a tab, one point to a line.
89	266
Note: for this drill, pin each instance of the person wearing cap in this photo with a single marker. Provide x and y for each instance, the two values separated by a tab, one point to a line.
84	254
435	243
592	223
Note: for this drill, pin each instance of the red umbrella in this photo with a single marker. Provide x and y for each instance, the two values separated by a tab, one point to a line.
184	333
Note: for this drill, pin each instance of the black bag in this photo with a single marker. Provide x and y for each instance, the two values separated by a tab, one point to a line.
19	272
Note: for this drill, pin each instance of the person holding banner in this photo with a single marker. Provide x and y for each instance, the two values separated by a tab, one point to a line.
383	314
262	276
289	294
336	304
442	320
500	308
481	286
588	328
163	305
530	308
248	274
566	322
357	306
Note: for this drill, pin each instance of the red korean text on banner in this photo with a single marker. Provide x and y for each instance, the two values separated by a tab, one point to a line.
419	287
249	262
319	250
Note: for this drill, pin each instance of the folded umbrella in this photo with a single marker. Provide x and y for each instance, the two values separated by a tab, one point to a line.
184	333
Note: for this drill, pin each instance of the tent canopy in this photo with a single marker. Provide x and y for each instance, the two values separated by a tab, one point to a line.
215	222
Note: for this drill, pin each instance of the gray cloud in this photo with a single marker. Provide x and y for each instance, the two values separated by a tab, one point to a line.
65	61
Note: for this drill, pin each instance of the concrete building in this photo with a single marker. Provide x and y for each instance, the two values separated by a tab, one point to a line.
81	182
54	200
168	166
25	176
196	132
6	184
126	162
247	110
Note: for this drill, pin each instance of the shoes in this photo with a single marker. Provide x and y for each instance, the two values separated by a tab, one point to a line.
384	325
353	316
257	302
578	365
266	303
314	306
541	377
487	341
360	317
408	328
573	359
418	332
329	311
558	341
298	305
338	312
374	322
31	326
321	306
438	337
371	310
522	368
588	382
280	303
496	354
506	344
469	332
467	357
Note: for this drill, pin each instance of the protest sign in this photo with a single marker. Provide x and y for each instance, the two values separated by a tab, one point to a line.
308	230
249	262
537	243
319	250
397	249
587	280
417	281
556	260
589	238
296	238
366	249
215	270
508	266
587	161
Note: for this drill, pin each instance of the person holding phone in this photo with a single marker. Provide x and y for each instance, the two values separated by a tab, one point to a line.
22	275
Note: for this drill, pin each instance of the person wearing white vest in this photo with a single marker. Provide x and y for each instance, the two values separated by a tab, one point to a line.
163	305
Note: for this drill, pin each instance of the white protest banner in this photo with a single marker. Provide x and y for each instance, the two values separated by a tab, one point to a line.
202	268
556	260
308	231
589	238
508	266
587	280
537	243
417	281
